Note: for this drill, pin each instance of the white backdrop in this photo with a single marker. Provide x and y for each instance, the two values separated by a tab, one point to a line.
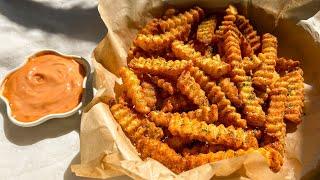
26	26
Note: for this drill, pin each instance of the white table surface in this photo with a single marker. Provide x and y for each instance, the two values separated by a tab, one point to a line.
27	26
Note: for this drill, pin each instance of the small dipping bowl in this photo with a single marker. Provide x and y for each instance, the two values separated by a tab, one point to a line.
78	59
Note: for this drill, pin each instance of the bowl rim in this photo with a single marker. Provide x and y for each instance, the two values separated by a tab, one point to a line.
83	62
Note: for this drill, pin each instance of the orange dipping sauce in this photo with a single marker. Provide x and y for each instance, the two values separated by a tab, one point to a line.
47	84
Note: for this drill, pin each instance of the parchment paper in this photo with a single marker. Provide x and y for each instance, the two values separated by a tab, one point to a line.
105	150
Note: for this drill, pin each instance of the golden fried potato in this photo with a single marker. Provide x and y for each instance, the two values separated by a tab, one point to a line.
227	113
228	20
211	65
208	114
275	126
133	52
175	103
152	27
163	84
159	66
232	48
295	98
205	31
283	64
149	94
169	13
192	16
274	159
134	126
206	95
251	63
198	130
263	77
231	91
188	87
262	95
246	49
177	143
252	109
207	52
160	42
204	113
249	33
134	90
161	152
199	76
202	149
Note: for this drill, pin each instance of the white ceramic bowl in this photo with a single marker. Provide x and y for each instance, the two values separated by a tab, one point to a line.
80	60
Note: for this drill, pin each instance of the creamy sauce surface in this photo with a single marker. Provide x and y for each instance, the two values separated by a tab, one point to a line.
47	84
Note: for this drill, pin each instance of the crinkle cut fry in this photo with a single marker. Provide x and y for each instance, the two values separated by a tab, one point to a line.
295	97
283	64
192	16
204	113
251	63
134	90
249	33
205	31
246	49
231	91
252	108
152	27
134	126
161	152
275	127
175	103
163	84
274	159
160	42
232	49
195	130
169	13
159	66
263	77
188	87
150	94
262	95
227	113
211	65
133	52
199	76
228	19
202	148
207	52
161	118
208	114
177	143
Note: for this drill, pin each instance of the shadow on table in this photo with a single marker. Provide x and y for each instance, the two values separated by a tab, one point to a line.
76	22
52	128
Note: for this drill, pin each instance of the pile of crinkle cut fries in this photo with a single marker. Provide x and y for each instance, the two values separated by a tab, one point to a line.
201	88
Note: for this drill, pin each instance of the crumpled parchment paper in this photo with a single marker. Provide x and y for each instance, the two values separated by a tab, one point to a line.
105	150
